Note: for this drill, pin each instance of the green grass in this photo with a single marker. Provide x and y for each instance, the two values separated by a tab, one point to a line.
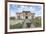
17	24
36	22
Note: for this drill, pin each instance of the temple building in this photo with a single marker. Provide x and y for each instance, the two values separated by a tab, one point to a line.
25	15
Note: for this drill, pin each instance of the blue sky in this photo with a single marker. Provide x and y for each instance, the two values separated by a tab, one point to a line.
19	8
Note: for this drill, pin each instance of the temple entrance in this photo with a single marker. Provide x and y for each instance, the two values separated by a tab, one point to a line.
26	17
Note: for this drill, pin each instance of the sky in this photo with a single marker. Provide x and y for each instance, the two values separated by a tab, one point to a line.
19	8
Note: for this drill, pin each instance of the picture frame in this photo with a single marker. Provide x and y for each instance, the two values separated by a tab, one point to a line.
7	3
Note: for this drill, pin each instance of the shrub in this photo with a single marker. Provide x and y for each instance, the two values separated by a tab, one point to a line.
37	22
16	26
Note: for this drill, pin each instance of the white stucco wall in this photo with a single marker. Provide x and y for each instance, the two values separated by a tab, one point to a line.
24	17
29	17
21	17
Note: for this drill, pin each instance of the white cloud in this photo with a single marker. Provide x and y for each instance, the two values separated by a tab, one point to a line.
12	14
24	8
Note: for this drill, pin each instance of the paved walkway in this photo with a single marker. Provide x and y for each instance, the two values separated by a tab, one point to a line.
29	23
32	26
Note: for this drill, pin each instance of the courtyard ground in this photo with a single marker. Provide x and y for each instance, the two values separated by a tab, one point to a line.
20	24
